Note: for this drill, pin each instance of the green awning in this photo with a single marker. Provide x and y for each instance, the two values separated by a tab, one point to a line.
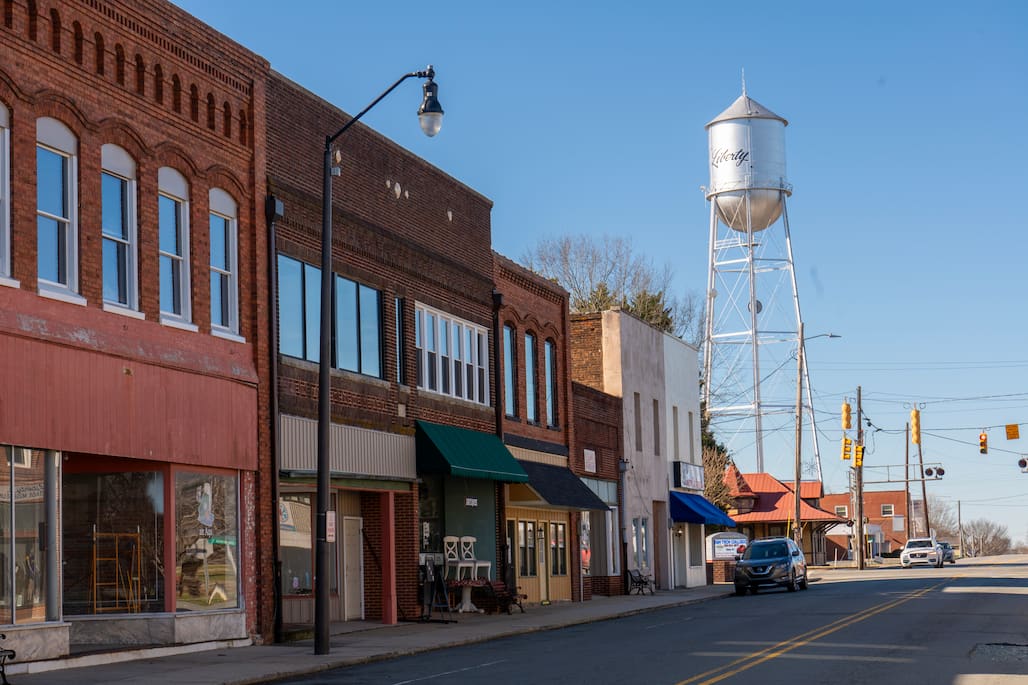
465	453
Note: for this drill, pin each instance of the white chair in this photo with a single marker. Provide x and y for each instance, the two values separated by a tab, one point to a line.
453	558
467	553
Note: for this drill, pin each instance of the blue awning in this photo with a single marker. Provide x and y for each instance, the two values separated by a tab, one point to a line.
689	508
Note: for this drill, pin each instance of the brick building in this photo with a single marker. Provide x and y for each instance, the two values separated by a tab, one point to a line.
130	329
885	510
543	517
415	456
596	459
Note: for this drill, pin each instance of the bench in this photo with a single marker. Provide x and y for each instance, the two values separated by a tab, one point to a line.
5	654
639	582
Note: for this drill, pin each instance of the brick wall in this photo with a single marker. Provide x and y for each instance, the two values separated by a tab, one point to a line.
587	349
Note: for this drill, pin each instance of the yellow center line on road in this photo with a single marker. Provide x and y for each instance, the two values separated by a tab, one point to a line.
716	675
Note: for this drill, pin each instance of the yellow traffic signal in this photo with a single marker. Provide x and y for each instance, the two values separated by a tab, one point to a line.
983	442
915	426
847	446
858	453
847	420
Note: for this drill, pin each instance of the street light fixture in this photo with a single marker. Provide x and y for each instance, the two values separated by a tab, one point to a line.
797	530
430	116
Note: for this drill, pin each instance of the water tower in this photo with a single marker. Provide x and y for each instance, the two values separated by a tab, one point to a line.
753	322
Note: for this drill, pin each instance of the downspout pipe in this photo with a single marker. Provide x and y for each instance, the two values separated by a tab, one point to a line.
274	210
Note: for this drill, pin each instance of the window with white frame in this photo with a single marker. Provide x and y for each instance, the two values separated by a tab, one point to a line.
56	207
441	339
841	510
224	238
118	221
173	228
887	510
5	193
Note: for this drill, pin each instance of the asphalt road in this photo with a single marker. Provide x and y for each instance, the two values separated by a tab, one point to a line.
962	625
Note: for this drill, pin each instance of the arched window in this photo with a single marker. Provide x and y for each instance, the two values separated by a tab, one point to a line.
57	209
118	224
210	111
224	234
173	242
550	376
158	84
510	375
119	64
176	94
55	30
77	27
194	103
99	41
226	120
140	75
531	400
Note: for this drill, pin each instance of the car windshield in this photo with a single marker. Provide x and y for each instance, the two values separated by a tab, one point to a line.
770	551
919	543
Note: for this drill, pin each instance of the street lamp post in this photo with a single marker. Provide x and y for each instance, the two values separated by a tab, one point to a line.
430	115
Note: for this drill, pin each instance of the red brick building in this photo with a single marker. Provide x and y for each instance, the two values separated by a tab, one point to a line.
885	510
595	458
546	517
131	310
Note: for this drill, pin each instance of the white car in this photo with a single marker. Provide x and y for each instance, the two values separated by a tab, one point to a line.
921	551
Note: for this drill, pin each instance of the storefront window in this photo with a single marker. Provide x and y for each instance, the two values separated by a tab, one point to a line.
558	549
297	534
23	552
206	541
296	544
430	513
586	545
113	532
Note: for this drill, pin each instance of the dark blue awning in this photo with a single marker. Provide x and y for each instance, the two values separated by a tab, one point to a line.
689	508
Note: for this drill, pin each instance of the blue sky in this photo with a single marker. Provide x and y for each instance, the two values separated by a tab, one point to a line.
906	147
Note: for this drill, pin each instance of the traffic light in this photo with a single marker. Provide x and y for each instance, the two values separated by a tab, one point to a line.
983	442
847	446
847	419
915	426
858	454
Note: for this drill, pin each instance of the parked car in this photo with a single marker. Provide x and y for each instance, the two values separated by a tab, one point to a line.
947	552
921	551
775	562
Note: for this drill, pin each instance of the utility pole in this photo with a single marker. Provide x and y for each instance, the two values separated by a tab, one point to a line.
906	474
924	492
960	530
859	523
797	529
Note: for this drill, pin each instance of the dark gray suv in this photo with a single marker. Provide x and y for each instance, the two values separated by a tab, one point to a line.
775	562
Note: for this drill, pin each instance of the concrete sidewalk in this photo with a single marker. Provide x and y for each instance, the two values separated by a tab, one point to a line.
351	643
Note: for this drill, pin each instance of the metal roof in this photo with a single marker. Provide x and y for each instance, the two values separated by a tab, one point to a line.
746	107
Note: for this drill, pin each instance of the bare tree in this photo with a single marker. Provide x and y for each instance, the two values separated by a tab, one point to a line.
601	273
985	538
943	517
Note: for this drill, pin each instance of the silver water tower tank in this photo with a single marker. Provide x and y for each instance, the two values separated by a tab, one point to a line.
747	165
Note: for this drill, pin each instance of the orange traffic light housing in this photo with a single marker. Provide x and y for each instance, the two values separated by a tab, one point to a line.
847	418
915	426
983	442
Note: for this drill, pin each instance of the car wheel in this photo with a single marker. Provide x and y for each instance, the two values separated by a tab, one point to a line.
803	583
740	590
793	585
